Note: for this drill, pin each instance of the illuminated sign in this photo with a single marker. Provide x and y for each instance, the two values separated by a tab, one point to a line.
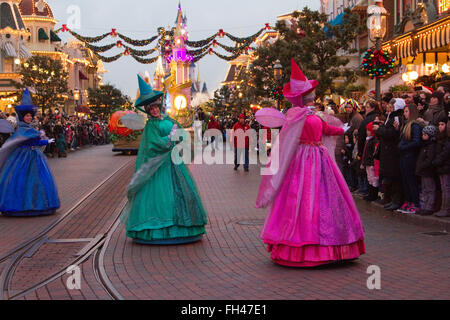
443	6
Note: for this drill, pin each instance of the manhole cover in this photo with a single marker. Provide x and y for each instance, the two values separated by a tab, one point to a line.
435	233
254	222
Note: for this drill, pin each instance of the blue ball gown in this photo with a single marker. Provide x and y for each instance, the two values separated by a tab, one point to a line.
27	187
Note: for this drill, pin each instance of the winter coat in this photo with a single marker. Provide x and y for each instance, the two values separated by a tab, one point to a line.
442	158
362	134
389	138
433	114
424	165
368	158
409	149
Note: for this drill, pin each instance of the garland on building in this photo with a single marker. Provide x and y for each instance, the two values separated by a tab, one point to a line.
137	43
98	49
145	61
165	40
377	63
109	59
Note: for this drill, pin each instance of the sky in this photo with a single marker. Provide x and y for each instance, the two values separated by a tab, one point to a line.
139	19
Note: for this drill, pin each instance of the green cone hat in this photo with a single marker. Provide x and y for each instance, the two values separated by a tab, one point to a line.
146	94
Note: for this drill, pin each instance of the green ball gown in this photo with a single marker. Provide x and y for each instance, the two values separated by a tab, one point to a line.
164	206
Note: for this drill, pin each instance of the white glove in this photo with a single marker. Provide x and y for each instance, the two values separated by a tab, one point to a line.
51	141
174	129
346	127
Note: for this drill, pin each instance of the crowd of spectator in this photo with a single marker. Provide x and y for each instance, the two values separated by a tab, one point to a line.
399	149
70	132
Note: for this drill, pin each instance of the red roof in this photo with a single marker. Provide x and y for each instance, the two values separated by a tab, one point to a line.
28	8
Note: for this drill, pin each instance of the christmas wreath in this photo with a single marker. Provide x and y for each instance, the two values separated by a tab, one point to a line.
377	63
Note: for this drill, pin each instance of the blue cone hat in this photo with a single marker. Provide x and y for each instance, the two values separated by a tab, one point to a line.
26	105
146	94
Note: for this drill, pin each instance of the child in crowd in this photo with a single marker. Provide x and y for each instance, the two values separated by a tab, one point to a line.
425	170
368	162
347	159
356	162
442	165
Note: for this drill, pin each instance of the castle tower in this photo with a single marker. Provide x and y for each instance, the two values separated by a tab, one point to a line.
40	22
158	79
180	91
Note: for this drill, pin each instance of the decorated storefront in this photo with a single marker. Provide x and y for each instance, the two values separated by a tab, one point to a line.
421	44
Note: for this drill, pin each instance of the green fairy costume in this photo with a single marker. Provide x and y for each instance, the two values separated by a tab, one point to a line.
164	206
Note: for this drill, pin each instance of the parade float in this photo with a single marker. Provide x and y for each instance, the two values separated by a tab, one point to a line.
124	140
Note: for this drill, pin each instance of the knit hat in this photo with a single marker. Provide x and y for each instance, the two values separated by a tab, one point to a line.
430	131
241	116
399	104
369	127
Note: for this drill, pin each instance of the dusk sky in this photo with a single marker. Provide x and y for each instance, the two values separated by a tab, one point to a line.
140	19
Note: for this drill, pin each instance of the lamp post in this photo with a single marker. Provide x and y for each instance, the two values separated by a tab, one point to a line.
377	25
278	74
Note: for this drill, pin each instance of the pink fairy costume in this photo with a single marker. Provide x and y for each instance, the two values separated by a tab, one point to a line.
313	219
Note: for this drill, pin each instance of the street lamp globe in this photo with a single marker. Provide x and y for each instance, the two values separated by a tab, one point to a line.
377	20
278	70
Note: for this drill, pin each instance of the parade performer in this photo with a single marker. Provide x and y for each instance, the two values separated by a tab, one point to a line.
313	219
164	206
27	187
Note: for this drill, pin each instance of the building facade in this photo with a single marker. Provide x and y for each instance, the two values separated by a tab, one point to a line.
13	50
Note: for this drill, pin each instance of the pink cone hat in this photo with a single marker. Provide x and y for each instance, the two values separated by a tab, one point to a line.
299	85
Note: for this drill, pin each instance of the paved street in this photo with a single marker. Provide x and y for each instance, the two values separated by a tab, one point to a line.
231	261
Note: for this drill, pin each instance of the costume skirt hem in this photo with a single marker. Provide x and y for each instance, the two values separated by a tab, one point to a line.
172	232
315	255
29	213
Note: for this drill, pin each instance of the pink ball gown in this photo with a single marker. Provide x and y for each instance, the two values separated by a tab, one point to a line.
313	219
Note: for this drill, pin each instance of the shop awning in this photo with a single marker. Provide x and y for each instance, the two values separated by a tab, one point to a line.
23	52
42	35
431	38
82	76
9	50
54	37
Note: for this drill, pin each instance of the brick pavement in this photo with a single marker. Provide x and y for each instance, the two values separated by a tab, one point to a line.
75	177
232	263
93	218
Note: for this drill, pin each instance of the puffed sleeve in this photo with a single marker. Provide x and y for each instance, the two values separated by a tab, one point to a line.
329	130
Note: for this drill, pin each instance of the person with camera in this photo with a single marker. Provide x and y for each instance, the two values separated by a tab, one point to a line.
388	134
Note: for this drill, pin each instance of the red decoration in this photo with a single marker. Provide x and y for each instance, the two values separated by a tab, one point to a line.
113	33
119	44
214	43
210	51
64	28
267	27
221	33
126	52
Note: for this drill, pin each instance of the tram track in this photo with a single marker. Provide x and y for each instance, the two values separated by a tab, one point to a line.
95	249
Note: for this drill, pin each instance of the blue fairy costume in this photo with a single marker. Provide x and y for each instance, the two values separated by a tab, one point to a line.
27	187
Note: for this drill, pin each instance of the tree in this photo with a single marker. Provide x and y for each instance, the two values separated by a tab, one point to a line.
228	100
107	99
46	78
313	43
